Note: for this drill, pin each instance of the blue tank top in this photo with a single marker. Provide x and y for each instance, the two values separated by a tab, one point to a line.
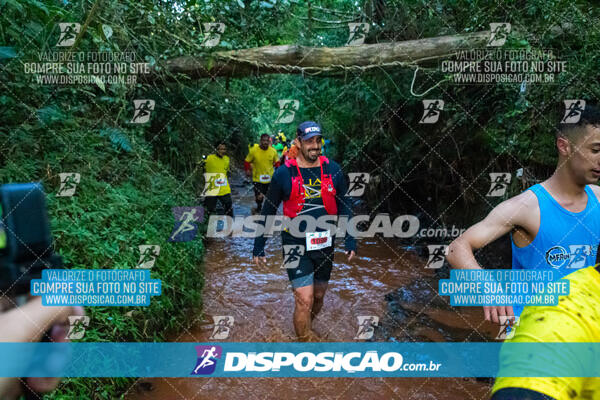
565	241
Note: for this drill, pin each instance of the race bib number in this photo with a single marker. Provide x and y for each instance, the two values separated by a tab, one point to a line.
221	182
317	240
264	178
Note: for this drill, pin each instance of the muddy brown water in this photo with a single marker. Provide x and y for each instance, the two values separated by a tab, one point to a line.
382	280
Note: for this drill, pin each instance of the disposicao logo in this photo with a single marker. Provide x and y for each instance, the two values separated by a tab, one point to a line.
207	359
307	361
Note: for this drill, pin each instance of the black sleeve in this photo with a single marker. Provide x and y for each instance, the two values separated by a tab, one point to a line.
270	205
512	393
343	202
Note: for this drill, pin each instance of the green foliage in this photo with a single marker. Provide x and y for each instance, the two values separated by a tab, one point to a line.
7	52
125	195
117	138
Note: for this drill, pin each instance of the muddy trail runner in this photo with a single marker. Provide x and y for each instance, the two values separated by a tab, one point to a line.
382	280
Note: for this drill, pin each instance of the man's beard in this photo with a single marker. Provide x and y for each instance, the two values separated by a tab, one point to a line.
310	158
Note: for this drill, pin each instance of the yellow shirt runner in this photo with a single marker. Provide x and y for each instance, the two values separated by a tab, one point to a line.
218	165
262	163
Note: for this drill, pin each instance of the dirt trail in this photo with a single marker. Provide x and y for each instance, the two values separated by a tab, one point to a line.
382	280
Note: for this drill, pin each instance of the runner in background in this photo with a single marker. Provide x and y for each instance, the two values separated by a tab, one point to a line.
260	163
217	165
278	146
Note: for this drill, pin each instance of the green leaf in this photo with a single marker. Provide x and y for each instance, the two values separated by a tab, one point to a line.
50	114
150	60
39	5
118	139
241	3
33	29
15	4
107	30
266	4
7	52
99	82
151	19
210	63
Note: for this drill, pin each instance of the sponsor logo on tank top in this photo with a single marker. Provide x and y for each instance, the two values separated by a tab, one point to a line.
574	256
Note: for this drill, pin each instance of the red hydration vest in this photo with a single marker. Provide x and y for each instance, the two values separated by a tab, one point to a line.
293	205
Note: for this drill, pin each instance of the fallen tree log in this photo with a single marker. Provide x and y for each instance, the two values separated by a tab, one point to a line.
295	59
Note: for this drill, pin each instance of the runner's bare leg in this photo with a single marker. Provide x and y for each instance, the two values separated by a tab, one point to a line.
319	294
302	310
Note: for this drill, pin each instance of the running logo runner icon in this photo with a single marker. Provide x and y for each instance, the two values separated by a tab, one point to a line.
573	110
437	255
148	254
358	33
68	33
212	33
506	331
207	359
579	254
287	111
358	183
186	219
431	111
499	33
77	325
291	255
68	184
142	111
499	183
223	325
366	326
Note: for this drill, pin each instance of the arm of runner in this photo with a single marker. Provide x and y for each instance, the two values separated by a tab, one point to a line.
343	206
501	220
270	205
247	163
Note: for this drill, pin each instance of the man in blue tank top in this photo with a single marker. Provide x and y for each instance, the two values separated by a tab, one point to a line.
554	224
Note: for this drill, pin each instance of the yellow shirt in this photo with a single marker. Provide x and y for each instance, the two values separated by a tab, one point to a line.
218	165
262	163
574	319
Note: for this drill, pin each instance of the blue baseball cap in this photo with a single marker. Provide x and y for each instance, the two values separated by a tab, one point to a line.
308	129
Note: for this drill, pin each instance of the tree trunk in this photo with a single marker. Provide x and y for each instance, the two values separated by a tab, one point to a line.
292	59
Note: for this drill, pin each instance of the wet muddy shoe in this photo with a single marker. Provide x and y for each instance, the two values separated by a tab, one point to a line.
310	337
314	337
320	335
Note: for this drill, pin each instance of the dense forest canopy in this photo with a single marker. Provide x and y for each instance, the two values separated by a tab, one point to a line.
370	114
